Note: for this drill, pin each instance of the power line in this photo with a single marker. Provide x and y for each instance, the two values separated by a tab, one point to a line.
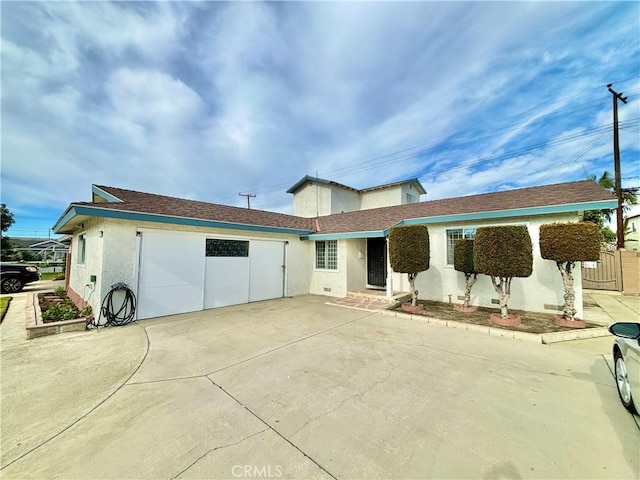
249	197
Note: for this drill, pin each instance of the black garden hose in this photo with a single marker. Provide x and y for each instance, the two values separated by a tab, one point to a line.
125	314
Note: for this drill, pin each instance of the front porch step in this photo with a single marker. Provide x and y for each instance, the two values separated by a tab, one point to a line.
378	295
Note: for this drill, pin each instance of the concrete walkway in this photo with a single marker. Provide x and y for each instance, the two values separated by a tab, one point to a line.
602	306
293	388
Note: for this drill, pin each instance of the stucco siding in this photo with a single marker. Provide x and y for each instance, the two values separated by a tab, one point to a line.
408	189
344	200
329	282
312	200
80	273
381	198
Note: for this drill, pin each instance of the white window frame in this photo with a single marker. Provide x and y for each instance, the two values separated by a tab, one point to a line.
466	232
329	255
82	249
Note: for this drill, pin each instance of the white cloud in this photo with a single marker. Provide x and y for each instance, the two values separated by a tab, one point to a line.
209	99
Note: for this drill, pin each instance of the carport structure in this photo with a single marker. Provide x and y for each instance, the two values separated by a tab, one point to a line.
293	388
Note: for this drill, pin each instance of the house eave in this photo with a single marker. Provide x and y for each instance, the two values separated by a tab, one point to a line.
344	235
92	211
515	212
95	190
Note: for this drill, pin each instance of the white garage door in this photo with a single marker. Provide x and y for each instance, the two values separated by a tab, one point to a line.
185	272
171	274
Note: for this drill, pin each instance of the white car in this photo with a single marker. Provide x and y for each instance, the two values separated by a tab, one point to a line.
626	355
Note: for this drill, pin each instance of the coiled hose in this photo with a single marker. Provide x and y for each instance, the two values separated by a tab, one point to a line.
125	314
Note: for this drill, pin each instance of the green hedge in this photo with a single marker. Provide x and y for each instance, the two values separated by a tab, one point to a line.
503	251
409	248
463	256
570	242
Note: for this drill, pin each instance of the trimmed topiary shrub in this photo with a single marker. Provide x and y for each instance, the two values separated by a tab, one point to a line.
463	262
409	252
567	243
503	253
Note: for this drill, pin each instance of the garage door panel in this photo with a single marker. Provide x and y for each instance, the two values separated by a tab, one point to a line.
267	274
171	260
171	274
226	281
170	300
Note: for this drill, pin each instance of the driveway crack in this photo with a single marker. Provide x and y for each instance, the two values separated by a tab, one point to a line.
359	395
218	448
258	417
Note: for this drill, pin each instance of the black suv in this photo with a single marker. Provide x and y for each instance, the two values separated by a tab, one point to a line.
14	276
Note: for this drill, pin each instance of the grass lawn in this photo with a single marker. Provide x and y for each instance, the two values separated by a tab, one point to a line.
4	306
532	322
52	276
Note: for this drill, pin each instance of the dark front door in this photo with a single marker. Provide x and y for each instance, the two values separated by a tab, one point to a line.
377	262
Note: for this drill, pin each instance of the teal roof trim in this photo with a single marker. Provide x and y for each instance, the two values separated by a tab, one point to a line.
518	212
76	210
309	178
106	195
340	236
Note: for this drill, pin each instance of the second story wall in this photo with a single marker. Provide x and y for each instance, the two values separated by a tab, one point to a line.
385	197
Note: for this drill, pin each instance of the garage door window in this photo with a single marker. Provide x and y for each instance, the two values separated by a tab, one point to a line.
327	255
227	248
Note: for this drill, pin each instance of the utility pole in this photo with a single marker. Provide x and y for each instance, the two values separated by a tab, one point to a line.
249	197
616	160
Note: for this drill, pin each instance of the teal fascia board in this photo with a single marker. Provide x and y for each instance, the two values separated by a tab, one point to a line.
340	236
521	212
68	214
107	196
151	217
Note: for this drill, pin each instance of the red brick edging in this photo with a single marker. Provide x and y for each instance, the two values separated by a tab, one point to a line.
510	321
463	309
563	322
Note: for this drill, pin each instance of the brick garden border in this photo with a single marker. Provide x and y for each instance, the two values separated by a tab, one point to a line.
37	328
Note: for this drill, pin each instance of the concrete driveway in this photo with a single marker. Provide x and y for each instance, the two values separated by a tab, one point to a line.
294	388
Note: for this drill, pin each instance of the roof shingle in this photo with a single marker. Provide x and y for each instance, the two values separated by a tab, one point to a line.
373	220
133	201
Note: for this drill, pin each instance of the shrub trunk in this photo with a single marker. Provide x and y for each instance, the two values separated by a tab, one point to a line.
414	292
568	309
468	284
502	285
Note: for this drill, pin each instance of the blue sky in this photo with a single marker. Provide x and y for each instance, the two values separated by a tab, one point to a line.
206	100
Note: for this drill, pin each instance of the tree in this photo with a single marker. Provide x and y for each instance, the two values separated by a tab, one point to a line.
600	217
463	262
409	252
5	223
567	243
503	253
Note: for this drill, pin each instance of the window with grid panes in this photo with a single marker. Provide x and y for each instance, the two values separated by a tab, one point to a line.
327	254
455	234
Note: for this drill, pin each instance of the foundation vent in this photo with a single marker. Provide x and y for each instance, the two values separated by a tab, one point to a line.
327	289
495	301
557	308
